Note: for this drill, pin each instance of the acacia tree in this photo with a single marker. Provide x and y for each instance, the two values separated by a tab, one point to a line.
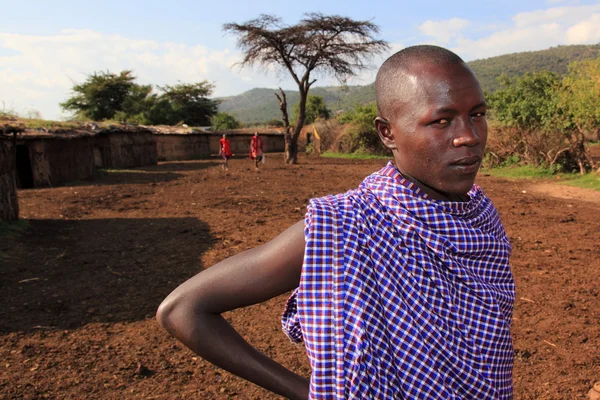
104	94
318	45
190	103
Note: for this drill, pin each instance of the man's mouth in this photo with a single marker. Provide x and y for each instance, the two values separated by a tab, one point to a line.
468	164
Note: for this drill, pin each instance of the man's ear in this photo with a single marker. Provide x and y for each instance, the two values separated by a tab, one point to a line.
385	133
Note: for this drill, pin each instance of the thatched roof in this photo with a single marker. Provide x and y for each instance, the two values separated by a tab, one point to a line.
33	129
174	130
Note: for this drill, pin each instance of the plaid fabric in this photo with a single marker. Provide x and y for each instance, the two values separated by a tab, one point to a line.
404	297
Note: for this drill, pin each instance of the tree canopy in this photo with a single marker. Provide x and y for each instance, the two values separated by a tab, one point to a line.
318	45
529	102
580	95
553	115
223	121
105	95
315	108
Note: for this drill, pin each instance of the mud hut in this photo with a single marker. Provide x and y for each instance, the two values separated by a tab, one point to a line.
273	141
9	205
180	143
188	144
178	146
46	159
124	147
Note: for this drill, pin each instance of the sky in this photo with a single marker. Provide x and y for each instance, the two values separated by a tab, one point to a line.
48	46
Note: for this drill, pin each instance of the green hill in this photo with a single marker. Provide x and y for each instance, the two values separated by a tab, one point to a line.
555	59
260	104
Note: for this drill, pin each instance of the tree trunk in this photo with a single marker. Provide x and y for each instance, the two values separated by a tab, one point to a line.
291	147
283	107
9	205
291	143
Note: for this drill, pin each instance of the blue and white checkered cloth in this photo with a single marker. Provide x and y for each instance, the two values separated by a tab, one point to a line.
404	297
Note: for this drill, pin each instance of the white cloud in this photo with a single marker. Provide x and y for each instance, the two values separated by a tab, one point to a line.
443	31
41	70
562	15
535	30
37	72
587	31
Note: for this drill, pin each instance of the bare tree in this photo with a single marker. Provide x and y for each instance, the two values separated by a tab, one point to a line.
318	45
283	107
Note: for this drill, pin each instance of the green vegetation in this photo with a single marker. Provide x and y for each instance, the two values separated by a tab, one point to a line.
528	102
315	108
520	172
223	121
579	97
362	136
259	104
545	119
588	181
554	59
104	94
108	96
318	45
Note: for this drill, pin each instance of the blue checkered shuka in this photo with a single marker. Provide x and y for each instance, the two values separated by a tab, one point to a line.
404	297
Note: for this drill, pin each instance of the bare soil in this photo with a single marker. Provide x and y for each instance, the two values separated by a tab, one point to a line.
79	289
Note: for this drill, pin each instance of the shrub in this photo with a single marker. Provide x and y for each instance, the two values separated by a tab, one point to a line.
223	121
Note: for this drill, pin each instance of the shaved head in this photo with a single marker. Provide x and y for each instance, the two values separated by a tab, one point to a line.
397	73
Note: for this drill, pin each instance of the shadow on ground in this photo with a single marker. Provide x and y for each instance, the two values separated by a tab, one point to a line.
104	270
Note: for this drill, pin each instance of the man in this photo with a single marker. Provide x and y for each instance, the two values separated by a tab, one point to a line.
256	150
225	151
403	287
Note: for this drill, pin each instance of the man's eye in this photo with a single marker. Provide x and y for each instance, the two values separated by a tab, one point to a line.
478	115
441	122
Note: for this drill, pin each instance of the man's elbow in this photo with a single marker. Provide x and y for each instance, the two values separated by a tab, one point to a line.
169	312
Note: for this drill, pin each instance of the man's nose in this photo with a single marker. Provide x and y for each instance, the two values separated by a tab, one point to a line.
467	135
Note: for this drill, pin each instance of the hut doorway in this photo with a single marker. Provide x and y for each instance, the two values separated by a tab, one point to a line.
98	157
24	171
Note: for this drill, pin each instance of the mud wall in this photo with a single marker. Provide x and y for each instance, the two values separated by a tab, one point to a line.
182	147
116	149
240	143
55	161
9	205
201	145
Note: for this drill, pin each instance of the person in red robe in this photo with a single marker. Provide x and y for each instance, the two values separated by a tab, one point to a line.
225	151
256	150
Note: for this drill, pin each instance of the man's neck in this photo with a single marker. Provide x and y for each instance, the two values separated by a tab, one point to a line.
433	193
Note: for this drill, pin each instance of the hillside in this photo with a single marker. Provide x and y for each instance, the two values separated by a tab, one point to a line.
555	59
260	104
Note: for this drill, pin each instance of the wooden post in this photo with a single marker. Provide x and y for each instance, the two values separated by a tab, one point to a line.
9	205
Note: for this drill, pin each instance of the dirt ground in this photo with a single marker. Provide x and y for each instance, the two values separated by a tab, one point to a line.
80	288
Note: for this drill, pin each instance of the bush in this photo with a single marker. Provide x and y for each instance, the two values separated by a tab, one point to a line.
513	146
223	121
275	122
349	138
361	135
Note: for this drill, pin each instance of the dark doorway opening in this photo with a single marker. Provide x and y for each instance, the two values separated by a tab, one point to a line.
24	171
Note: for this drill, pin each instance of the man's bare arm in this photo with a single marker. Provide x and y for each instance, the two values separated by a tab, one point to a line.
191	313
